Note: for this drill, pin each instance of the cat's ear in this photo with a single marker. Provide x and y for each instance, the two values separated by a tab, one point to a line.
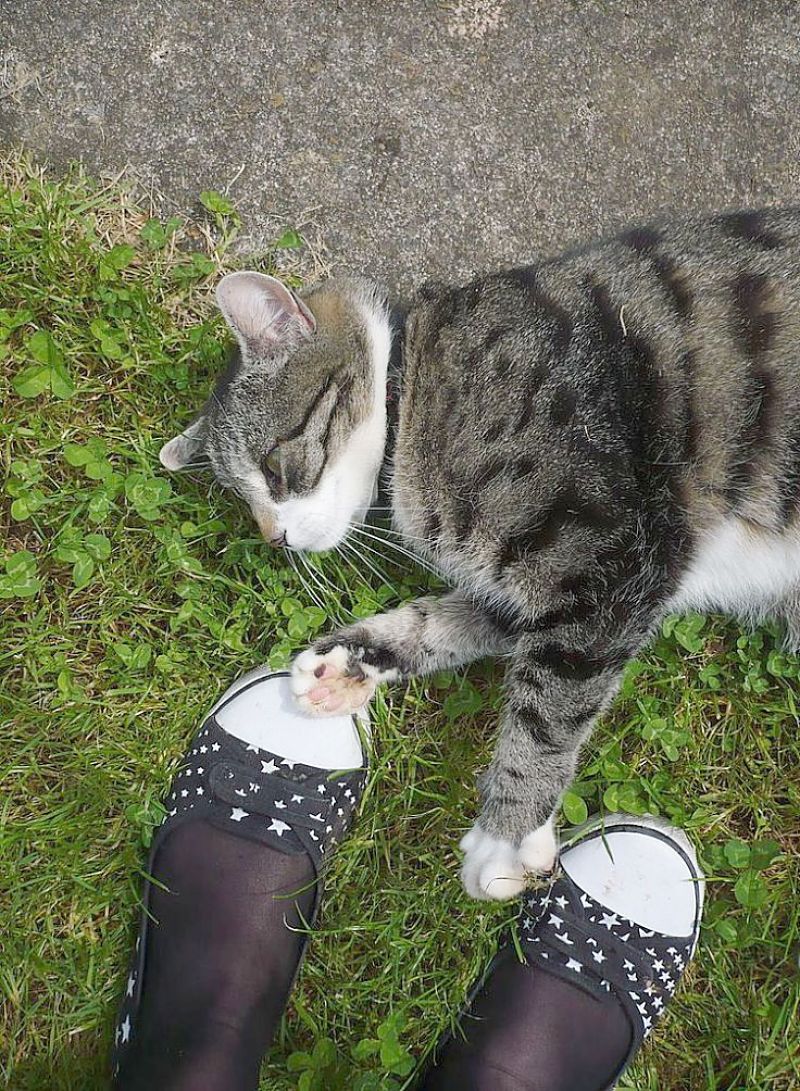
187	449
265	316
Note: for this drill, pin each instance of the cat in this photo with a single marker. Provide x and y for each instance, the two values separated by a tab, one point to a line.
581	446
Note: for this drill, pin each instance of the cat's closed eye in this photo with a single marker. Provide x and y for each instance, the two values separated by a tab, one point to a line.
272	466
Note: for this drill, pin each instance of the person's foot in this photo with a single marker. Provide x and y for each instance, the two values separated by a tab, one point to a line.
258	802
604	945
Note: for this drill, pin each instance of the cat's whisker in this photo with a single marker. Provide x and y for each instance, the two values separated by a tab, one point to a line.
340	549
303	582
346	552
378	528
332	592
322	576
387	527
404	557
366	561
296	571
315	588
418	561
368	542
356	563
327	590
360	545
356	543
317	574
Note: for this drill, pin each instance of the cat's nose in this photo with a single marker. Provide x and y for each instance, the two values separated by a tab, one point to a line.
270	533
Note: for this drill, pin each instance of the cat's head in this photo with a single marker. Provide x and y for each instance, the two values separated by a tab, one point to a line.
296	425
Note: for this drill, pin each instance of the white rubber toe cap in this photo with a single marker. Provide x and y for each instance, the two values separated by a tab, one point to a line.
642	868
259	709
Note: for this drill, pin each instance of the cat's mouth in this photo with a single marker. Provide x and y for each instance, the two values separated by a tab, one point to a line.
305	534
318	521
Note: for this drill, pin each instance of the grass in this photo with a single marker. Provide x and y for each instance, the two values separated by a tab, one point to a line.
129	600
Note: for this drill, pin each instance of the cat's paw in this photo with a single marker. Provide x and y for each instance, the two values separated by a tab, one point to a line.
330	683
495	868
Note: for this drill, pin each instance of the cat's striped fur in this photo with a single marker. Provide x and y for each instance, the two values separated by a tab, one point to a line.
584	445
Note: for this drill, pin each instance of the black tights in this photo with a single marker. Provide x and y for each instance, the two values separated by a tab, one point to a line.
526	1030
221	961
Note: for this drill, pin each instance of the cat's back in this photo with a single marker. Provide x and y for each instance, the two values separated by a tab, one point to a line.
730	280
664	358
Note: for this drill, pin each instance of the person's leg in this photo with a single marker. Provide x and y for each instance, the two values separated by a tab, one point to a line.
604	947
235	889
220	962
528	1029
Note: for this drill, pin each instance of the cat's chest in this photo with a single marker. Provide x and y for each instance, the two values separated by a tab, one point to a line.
422	521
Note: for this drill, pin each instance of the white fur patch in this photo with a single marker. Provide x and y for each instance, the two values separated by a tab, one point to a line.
346	489
740	570
494	868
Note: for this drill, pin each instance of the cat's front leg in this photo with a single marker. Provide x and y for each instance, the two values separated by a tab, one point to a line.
342	670
555	692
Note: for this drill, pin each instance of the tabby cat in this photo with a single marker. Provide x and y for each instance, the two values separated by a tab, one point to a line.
578	446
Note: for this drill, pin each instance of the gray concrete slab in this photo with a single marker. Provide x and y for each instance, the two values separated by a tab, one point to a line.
426	139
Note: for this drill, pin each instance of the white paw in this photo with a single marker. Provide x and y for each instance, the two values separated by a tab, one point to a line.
322	686
495	868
